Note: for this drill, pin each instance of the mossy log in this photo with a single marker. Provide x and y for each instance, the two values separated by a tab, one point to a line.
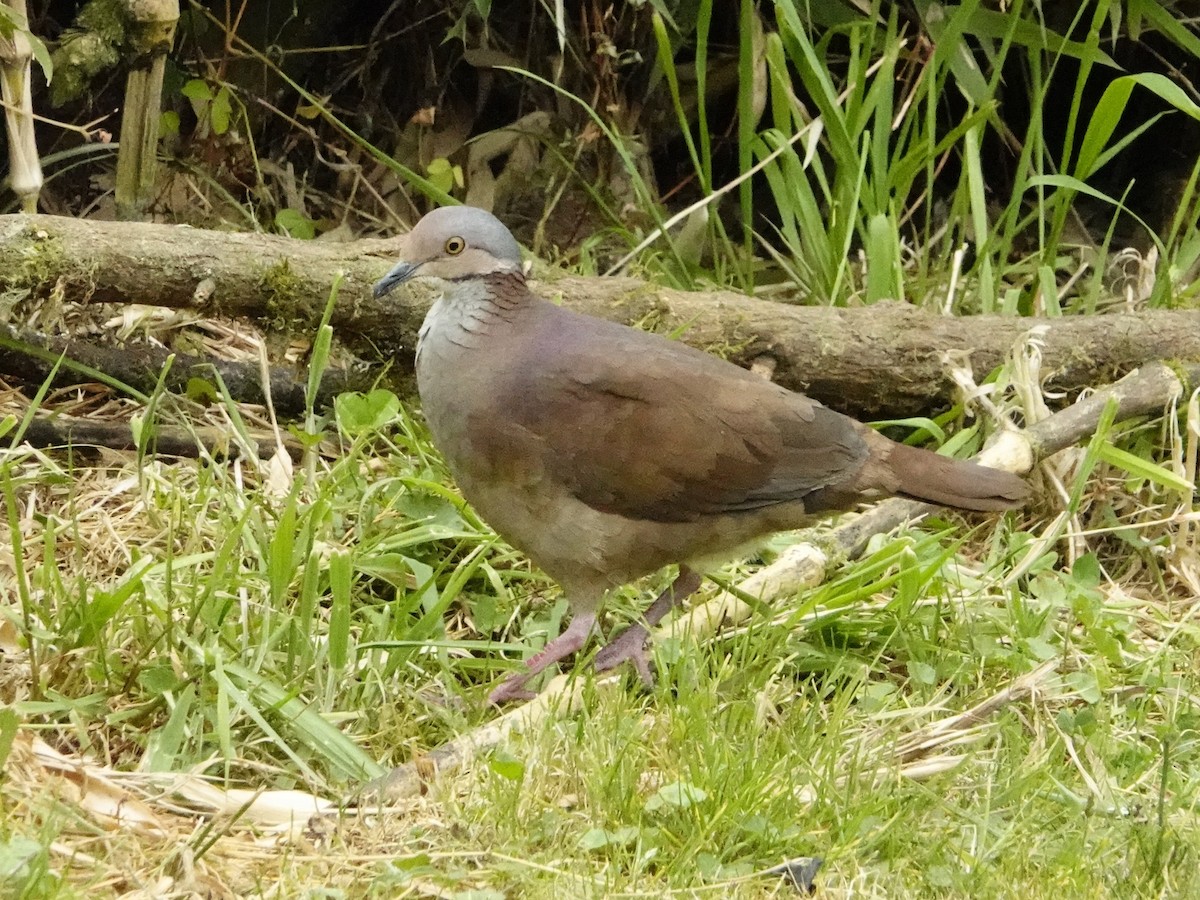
886	360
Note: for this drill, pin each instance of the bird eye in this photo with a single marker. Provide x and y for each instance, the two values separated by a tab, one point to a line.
455	246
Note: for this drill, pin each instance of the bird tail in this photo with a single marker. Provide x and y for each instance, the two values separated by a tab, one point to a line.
922	475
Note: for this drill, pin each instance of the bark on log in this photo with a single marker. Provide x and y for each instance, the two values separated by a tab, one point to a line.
72	432
880	361
140	367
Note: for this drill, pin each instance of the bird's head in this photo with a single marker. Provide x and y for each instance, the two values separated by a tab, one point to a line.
452	244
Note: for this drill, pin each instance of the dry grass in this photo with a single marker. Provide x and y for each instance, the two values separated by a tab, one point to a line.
202	661
188	689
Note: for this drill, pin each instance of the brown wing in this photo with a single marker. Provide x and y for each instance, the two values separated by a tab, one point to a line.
634	424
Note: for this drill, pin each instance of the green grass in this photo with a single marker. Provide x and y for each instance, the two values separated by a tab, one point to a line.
191	617
1001	707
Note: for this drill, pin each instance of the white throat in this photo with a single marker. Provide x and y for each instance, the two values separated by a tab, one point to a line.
461	315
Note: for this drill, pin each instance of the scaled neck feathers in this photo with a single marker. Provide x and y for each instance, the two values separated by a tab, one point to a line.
470	308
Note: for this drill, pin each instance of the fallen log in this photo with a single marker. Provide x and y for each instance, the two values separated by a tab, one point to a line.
886	360
33	357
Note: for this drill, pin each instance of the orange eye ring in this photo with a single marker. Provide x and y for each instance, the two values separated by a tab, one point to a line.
455	246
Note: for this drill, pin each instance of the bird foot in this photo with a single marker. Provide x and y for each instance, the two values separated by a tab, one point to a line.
628	646
562	646
510	690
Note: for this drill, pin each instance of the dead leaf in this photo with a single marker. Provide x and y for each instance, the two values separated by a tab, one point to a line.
424	116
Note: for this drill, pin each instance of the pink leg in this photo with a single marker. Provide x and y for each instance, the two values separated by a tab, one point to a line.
630	644
565	644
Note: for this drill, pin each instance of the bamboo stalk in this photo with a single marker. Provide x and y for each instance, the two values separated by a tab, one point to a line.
151	33
16	56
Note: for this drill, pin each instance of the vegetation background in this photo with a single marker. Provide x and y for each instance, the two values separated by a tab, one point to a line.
972	708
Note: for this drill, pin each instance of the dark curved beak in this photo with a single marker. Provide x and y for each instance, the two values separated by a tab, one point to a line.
400	273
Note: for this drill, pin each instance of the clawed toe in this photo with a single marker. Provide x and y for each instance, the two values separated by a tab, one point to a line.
628	646
511	690
562	646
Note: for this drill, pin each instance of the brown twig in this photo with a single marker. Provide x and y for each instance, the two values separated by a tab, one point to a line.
31	357
70	431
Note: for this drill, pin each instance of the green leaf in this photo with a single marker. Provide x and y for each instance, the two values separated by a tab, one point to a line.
676	795
1048	288
168	123
445	175
158	678
163	746
922	673
1107	114
105	604
197	90
221	112
1074	184
16	858
1085	685
359	413
41	54
10	22
295	224
1086	571
921	423
594	839
507	766
202	391
1040	649
946	25
9	722
988	23
599	838
340	580
137	426
1169	23
883	260
1143	468
412	863
322	345
299	717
